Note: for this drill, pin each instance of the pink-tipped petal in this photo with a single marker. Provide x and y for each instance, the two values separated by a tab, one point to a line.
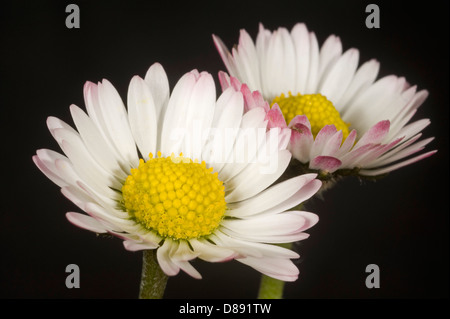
259	101
322	139
235	83
275	117
224	80
388	169
375	134
301	139
325	163
348	144
300	119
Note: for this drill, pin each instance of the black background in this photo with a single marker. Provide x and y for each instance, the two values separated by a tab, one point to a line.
399	223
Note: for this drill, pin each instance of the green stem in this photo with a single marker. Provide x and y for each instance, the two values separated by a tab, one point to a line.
271	288
153	279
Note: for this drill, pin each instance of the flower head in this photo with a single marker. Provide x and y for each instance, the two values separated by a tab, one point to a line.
343	120
182	173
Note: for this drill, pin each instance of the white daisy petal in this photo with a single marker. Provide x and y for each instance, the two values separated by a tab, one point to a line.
228	95
142	116
95	143
351	159
174	127
281	49
366	104
281	269
211	252
134	246
247	47
401	152
164	260
388	106
244	60
45	161
180	255
86	222
330	52
245	147
340	75
188	268
245	187
413	128
300	38
84	164
77	196
400	119
347	145
253	249
369	156
261	45
314	65
67	171
268	225
305	193
225	54
112	110
273	228
321	140
81	198
97	211
363	78
269	198
183	252
91	99
156	79
225	130
388	169
240	247
199	116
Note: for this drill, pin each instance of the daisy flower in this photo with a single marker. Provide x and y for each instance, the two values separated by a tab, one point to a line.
161	176
343	120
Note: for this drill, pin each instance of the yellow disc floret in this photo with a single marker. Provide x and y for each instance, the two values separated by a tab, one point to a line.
317	108
175	197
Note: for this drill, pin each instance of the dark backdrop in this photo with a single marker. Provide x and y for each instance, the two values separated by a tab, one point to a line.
399	223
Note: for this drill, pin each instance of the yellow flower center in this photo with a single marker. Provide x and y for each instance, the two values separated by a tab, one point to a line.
175	197
317	108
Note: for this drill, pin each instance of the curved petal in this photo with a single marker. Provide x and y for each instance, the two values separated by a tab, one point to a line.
95	143
250	181
211	252
164	260
281	269
269	198
325	163
86	222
